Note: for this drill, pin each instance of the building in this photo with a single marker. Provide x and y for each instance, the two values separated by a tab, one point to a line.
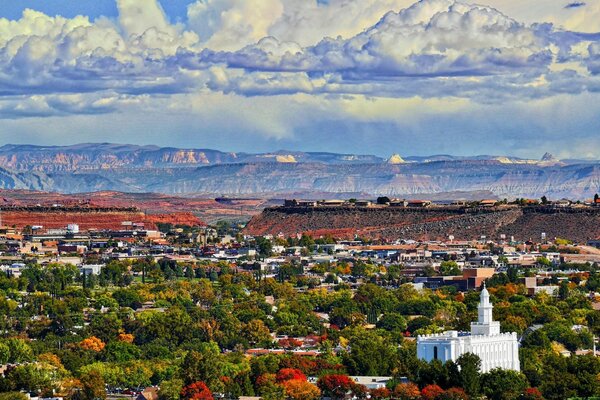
495	349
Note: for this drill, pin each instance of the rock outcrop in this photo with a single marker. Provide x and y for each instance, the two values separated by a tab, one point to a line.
391	223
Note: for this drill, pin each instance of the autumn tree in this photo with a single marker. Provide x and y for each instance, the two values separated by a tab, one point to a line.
431	392
298	389
92	343
407	391
335	386
196	391
288	374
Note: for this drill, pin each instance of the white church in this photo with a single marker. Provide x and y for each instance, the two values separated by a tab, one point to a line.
496	350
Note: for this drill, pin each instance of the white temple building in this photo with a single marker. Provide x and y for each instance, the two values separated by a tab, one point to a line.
496	350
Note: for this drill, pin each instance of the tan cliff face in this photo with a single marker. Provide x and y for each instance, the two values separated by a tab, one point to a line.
97	167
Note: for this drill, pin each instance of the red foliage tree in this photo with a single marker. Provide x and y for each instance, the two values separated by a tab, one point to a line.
196	391
431	392
381	394
532	394
360	391
335	386
287	374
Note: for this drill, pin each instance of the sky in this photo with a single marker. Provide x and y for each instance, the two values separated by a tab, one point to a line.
500	77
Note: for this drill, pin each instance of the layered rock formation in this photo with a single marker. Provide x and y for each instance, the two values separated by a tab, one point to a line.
524	223
101	167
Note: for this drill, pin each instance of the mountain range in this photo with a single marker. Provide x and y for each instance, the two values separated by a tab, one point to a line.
128	168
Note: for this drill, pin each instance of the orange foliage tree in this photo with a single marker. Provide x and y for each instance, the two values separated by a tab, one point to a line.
92	343
407	391
125	337
297	389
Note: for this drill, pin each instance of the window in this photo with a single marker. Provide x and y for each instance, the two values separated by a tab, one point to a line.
435	352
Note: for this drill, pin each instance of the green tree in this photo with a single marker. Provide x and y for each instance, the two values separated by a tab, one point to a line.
20	351
93	386
503	384
392	322
170	389
370	354
449	268
4	353
205	365
470	365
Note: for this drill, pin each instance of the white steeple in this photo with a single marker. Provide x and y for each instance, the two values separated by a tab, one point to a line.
485	324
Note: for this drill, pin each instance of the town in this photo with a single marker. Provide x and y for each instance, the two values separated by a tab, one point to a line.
208	310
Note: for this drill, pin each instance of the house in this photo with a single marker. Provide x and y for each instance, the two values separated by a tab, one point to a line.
488	203
91	269
419	203
398	203
150	393
332	203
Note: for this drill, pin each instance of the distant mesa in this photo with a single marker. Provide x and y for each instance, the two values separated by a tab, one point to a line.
288	158
395	159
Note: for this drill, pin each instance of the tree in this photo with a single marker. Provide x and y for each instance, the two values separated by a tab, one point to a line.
544	200
170	389
503	384
92	343
370	354
13	396
383	200
128	298
431	392
93	386
298	389
205	365
563	290
288	374
196	391
470	365
453	394
255	331
4	353
20	351
392	322
531	394
449	268
381	393
335	386
407	391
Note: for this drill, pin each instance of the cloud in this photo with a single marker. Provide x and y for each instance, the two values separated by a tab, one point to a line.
432	49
